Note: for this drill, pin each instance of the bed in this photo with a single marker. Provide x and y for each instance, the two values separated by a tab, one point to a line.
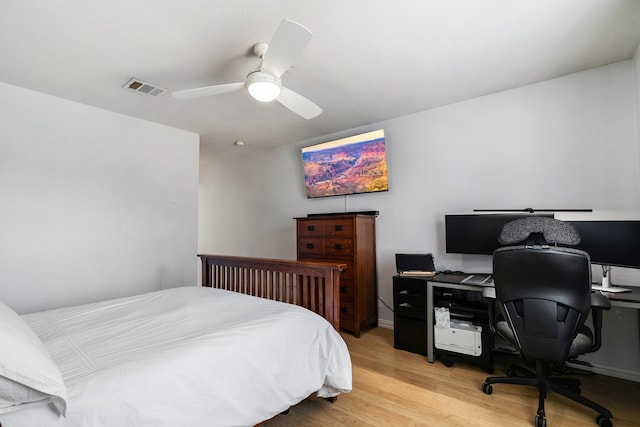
188	356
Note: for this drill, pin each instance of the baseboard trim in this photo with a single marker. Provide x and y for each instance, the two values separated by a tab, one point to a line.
387	324
608	371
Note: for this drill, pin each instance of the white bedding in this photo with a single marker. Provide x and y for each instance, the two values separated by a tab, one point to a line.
187	357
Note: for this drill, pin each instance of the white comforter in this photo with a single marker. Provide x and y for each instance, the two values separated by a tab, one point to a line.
186	357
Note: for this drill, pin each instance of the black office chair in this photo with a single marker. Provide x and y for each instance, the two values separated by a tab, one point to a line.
543	296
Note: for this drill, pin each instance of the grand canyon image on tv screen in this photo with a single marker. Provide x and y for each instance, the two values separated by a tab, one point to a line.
352	165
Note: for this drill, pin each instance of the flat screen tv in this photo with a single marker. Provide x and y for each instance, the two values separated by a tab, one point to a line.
353	165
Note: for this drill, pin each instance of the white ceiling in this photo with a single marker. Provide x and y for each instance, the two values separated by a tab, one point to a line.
369	60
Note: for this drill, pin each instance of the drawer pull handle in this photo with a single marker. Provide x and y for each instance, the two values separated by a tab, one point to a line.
338	228
309	245
344	289
405	305
311	227
338	246
343	309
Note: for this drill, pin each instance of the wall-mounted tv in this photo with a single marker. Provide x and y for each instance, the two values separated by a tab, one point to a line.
353	165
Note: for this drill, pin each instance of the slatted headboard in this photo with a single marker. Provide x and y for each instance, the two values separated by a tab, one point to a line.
313	285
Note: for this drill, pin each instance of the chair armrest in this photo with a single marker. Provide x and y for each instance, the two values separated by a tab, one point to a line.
599	301
490	294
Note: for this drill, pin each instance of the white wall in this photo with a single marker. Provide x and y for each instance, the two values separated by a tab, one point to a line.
93	204
570	142
636	74
564	143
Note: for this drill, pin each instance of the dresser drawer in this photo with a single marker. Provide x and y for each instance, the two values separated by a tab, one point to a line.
311	228
410	309
349	272
347	290
410	335
408	286
347	315
310	247
339	228
410	298
338	247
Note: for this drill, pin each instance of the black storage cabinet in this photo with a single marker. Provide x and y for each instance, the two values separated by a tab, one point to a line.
410	314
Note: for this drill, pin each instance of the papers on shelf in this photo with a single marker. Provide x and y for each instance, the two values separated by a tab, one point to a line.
443	317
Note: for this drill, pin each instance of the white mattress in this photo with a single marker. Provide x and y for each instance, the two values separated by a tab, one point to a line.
186	357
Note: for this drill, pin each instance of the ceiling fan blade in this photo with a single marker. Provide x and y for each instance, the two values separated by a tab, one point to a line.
286	45
298	104
201	92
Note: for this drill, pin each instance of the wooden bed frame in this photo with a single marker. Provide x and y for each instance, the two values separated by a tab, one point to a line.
313	285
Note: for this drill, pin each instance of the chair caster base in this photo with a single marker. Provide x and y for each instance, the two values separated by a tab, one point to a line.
446	362
487	388
603	421
541	421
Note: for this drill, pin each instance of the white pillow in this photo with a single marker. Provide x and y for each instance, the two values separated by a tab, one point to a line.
27	372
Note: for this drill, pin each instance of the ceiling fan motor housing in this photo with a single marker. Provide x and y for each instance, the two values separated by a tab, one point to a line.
260	49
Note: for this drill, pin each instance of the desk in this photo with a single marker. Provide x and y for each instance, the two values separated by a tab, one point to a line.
452	281
625	299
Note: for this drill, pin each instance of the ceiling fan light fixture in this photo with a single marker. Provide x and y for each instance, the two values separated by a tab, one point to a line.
263	87
263	83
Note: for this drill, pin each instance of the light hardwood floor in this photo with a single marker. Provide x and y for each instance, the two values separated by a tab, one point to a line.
397	388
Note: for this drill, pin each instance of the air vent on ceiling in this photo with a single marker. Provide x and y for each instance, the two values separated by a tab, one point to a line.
144	87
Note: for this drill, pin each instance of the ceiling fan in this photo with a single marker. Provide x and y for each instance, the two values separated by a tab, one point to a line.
264	83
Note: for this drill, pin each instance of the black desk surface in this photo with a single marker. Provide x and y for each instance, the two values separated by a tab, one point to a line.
449	278
440	277
632	296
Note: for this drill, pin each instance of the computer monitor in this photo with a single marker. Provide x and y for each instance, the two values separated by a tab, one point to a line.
613	243
478	233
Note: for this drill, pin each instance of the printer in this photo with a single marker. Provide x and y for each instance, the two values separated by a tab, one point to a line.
461	331
459	337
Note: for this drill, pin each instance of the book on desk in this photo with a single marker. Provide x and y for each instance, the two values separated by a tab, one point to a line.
416	273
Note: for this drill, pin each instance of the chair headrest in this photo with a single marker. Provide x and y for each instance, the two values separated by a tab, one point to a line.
553	230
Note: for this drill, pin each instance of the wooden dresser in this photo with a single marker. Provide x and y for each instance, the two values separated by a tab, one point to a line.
348	239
